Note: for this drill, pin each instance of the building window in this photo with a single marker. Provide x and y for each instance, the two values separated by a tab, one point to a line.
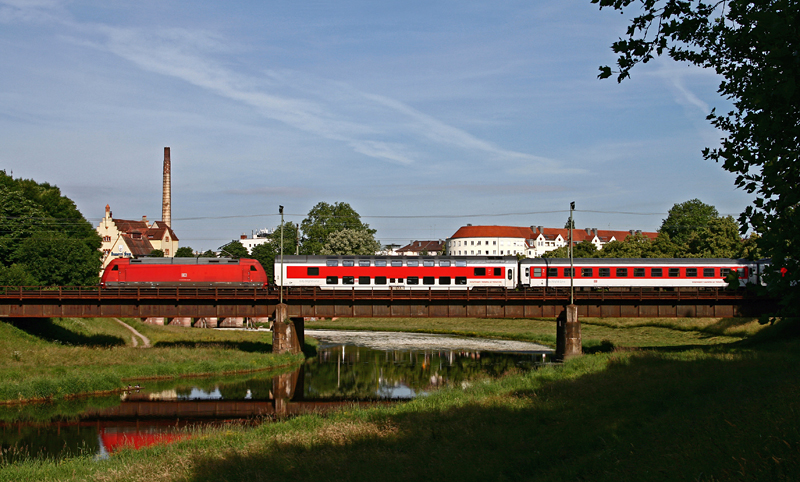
166	240
166	252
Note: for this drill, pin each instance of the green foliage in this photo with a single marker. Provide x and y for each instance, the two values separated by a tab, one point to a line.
266	253
208	254
351	241
184	252
156	253
687	218
325	219
754	47
234	249
44	234
16	275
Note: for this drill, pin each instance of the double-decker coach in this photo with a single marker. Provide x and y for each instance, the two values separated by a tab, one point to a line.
632	273
397	272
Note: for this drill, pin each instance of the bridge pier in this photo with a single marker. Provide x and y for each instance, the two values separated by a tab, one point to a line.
287	334
568	334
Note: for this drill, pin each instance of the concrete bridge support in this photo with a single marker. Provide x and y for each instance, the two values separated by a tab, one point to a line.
207	322
181	321
568	334
154	320
287	334
232	322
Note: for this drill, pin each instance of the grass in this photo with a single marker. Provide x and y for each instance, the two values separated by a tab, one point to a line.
677	403
718	412
46	358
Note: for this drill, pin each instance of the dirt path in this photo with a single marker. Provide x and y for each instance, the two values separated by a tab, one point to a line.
145	340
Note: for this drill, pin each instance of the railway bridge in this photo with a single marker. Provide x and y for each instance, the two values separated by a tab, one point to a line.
219	303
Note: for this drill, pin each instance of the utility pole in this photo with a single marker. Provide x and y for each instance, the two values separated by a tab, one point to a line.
280	209
571	263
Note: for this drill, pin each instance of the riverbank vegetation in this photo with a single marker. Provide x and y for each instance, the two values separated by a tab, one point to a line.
713	412
57	358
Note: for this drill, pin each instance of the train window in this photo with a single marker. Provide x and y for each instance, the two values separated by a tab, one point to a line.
622	272
587	273
348	262
691	272
461	280
498	271
428	280
605	272
363	262
638	272
444	280
380	262
674	272
397	262
444	263
253	268
461	262
428	262
381	280
332	262
537	272
723	272
312	271
656	272
510	273
413	280
708	272
115	268
567	272
400	280
480	271
552	272
412	262
348	280
527	272
332	280
363	280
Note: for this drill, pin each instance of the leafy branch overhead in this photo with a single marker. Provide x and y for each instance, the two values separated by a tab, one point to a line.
755	48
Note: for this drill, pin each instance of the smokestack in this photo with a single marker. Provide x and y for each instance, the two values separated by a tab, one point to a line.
166	195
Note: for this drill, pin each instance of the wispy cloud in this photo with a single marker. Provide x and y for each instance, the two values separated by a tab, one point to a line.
373	125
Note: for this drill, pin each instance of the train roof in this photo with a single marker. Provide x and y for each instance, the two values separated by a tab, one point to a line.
320	258
637	261
182	261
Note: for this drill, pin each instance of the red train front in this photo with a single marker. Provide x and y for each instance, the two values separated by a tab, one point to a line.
184	272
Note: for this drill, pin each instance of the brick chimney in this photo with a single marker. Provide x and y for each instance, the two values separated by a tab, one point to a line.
166	195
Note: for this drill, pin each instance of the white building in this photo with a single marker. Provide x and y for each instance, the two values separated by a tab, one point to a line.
256	238
133	239
531	242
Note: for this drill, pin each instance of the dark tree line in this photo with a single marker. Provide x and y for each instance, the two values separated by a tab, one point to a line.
44	239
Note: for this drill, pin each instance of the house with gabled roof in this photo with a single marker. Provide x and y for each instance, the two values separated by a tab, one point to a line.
134	239
416	248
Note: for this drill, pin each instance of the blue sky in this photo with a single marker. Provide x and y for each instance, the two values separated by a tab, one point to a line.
423	116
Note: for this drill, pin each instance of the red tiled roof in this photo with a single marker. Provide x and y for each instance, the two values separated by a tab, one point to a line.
419	246
578	235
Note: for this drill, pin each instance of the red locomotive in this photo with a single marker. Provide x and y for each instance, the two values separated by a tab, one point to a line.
184	272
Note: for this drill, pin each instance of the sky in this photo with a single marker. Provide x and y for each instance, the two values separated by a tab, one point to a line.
424	116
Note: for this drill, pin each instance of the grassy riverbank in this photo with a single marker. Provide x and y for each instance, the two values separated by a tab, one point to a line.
62	357
716	412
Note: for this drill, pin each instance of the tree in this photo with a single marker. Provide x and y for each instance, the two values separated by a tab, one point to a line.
325	219
208	254
184	252
569	224
684	219
753	46
718	239
44	239
267	253
351	241
584	249
156	253
234	250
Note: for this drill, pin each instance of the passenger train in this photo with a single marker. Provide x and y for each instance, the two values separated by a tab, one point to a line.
430	272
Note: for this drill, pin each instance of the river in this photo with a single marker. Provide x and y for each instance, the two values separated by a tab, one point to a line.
363	368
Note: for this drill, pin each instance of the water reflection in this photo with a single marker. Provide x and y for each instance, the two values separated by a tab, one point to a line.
161	411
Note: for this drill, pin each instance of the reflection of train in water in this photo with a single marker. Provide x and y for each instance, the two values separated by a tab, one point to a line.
466	272
430	272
